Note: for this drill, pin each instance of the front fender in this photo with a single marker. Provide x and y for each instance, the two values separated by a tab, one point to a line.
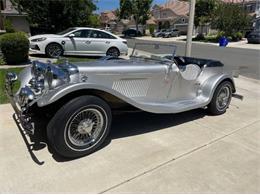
210	85
56	94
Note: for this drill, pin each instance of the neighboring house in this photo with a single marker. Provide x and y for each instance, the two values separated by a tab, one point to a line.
172	14
108	19
18	19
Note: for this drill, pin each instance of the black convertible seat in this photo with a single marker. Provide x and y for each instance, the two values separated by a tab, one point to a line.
183	61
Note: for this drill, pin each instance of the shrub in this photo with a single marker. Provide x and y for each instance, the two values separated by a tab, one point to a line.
151	29
15	47
8	26
200	37
237	36
220	34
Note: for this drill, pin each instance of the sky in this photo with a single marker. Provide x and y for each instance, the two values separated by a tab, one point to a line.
104	5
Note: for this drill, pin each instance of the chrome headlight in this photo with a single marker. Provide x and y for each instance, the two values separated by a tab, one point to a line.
38	68
39	39
55	77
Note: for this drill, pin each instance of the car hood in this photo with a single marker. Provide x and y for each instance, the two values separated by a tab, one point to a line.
120	66
45	35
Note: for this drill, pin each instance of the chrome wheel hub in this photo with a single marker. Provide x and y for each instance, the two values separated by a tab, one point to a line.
85	127
223	98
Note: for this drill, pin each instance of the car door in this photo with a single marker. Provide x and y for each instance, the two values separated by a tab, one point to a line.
181	87
78	43
100	42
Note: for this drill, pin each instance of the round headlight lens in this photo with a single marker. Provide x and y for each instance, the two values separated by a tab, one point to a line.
38	68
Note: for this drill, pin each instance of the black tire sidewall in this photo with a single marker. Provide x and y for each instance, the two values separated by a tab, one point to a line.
212	107
58	133
118	52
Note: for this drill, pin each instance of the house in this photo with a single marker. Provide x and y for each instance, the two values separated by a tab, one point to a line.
18	19
108	19
172	14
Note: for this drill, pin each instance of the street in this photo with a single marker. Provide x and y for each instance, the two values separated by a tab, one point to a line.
247	60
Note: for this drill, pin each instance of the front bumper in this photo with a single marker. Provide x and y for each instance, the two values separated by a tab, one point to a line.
21	111
36	49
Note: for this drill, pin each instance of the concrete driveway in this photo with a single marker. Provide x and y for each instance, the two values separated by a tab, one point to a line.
146	153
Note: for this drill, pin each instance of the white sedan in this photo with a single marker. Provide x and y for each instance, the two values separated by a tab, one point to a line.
78	41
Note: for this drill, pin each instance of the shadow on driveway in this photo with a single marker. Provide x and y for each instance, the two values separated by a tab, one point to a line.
123	125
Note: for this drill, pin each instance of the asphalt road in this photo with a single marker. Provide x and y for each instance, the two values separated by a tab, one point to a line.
246	60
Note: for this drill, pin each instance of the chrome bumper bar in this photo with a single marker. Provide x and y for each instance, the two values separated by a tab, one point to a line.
21	112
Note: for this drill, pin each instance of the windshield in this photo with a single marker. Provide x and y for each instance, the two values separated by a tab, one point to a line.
154	51
65	31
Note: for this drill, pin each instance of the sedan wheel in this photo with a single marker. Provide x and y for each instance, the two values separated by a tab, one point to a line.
79	127
54	50
113	52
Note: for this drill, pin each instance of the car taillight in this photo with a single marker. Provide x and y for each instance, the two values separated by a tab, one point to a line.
125	42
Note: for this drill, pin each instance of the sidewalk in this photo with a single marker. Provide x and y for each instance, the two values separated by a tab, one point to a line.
241	44
190	152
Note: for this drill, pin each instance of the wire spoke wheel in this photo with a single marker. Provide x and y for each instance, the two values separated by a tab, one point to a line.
85	127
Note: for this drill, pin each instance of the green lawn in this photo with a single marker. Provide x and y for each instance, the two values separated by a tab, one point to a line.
3	97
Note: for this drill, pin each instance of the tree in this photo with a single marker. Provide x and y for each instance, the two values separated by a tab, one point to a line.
54	16
230	18
138	9
204	11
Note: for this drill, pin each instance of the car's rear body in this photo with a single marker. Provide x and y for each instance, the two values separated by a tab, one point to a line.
254	37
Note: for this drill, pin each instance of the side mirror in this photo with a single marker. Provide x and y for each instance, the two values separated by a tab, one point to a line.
71	35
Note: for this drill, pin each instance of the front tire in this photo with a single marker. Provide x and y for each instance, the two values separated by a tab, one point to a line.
113	51
221	98
80	126
54	50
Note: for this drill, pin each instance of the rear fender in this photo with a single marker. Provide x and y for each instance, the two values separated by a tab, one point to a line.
210	85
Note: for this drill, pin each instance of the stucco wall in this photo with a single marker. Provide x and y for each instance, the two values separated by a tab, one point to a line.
20	23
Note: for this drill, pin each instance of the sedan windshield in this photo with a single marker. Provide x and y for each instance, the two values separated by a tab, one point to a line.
65	31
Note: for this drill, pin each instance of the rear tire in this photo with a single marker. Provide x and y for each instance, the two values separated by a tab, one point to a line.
79	127
221	98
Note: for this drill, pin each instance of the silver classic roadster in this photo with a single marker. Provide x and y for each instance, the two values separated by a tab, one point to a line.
80	98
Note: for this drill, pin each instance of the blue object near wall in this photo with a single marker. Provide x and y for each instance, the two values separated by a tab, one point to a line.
223	41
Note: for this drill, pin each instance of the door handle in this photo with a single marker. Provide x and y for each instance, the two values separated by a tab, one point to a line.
88	42
107	42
